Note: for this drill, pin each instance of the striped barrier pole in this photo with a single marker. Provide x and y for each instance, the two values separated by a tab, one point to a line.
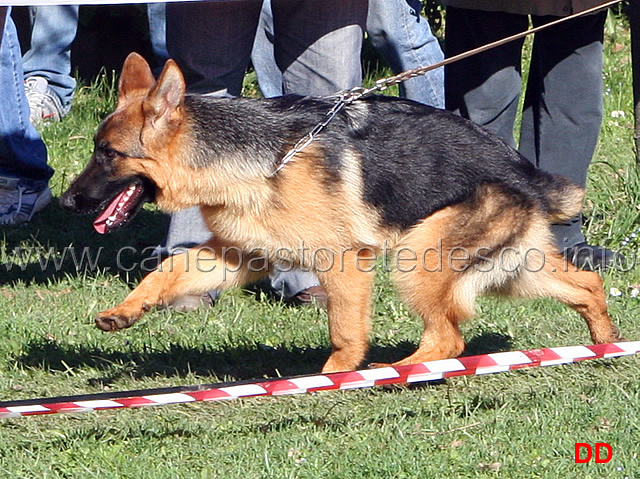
427	371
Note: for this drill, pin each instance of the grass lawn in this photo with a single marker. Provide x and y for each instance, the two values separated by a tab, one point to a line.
521	424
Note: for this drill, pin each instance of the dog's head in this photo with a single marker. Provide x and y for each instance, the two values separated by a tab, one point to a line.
129	146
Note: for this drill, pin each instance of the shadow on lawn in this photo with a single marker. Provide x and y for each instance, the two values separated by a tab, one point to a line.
239	363
56	244
488	343
176	361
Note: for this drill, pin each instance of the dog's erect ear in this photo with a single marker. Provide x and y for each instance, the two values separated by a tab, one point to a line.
136	78
163	104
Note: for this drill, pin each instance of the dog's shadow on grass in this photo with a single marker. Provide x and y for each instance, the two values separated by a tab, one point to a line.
58	244
236	364
488	342
239	363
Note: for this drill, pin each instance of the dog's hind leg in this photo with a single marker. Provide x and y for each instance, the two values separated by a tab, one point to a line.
433	297
581	290
348	286
429	277
454	252
213	265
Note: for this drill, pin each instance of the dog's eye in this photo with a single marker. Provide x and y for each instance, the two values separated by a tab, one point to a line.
110	153
105	153
103	150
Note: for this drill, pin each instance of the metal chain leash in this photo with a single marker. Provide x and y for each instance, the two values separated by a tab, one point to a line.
306	140
343	99
347	97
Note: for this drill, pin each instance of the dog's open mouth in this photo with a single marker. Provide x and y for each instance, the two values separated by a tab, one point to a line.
122	208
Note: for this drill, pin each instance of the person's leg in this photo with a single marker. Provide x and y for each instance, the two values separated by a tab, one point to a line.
53	29
318	44
297	285
563	105
212	41
24	173
3	16
405	41
263	55
187	229
157	18
22	152
485	87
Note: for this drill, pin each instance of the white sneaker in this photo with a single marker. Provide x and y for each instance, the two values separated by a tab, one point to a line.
18	203
44	104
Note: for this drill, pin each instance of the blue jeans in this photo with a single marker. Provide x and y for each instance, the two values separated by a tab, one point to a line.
396	30
22	151
405	41
563	108
157	17
317	52
53	29
263	57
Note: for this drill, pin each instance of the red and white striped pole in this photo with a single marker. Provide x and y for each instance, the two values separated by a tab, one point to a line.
428	371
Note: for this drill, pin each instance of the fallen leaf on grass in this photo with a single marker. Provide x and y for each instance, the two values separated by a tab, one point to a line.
605	423
7	294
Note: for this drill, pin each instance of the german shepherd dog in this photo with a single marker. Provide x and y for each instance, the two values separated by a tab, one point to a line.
465	214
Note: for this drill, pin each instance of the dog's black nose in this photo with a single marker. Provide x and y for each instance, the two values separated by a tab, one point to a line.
69	201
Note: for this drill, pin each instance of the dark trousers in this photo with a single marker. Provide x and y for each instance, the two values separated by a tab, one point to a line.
316	44
562	111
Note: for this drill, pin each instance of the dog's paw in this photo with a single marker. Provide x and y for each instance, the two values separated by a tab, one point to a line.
112	321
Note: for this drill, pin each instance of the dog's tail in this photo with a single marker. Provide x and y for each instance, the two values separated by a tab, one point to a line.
564	198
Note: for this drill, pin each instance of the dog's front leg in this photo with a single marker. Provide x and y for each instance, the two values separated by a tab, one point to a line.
212	265
348	288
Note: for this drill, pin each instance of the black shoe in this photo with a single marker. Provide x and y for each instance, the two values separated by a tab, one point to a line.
593	258
313	295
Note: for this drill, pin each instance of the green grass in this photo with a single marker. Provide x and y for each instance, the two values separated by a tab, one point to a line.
520	424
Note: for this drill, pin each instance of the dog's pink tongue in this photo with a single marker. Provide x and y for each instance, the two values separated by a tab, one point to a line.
100	223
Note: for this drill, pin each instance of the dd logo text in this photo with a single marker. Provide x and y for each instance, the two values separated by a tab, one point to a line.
585	453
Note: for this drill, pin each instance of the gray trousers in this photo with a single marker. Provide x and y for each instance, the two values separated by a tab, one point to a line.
562	111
